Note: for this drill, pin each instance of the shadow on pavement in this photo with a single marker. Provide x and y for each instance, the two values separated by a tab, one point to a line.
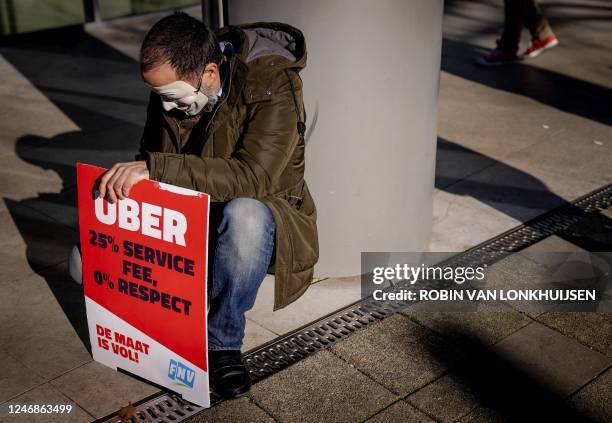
516	194
503	391
100	90
571	95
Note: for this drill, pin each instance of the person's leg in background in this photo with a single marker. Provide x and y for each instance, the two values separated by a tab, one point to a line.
514	19
242	250
508	44
542	36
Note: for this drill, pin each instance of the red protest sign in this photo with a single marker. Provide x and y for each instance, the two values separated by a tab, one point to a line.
144	277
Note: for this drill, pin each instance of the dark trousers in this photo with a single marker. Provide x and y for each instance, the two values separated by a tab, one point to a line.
519	13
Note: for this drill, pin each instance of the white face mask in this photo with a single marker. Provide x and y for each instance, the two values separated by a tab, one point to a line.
184	97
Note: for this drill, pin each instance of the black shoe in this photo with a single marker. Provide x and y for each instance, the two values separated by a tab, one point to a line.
228	375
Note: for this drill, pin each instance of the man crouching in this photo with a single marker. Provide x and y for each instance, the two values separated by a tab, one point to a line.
226	117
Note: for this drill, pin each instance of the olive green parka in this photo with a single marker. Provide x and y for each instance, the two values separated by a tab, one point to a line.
250	145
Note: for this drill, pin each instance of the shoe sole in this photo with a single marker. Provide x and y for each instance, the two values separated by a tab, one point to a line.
541	50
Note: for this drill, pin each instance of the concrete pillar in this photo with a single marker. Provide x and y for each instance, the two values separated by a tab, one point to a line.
371	84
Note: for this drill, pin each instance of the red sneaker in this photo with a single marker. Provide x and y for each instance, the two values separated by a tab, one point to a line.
498	57
538	46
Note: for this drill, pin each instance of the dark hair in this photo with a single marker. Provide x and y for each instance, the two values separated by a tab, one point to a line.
183	41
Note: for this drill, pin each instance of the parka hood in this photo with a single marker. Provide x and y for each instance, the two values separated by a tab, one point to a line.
260	39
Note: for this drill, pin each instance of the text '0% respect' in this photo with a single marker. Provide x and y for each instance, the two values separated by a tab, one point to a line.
102	240
101	278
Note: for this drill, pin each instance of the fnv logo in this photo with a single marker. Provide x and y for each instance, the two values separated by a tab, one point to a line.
183	374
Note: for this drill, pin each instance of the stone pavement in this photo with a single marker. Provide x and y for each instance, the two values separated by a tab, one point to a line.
418	366
513	143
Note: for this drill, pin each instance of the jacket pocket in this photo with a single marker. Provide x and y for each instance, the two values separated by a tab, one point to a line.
298	214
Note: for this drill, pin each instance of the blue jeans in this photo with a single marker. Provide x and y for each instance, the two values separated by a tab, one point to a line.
242	243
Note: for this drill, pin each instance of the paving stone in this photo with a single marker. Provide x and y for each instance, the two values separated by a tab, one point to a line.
77	90
591	328
593	232
44	324
44	394
49	351
126	34
20	180
571	160
241	410
515	270
50	291
561	270
578	268
319	299
485	415
321	388
13	262
508	190
446	399
519	272
502	389
101	390
552	244
27	295
255	335
26	246
61	206
15	378
454	227
462	327
455	162
558	363
491	112
49	121
398	354
116	142
595	400
400	411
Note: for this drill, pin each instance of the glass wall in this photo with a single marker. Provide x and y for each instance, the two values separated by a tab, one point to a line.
31	15
17	16
114	8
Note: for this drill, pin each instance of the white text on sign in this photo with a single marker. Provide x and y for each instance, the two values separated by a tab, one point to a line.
151	220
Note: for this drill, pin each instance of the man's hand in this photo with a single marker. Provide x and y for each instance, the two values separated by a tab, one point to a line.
117	182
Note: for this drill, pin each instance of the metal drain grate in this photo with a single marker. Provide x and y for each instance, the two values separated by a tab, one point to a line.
286	350
160	408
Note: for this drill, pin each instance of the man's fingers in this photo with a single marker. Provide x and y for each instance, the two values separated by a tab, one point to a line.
127	186
125	180
104	180
118	181
122	181
135	174
111	184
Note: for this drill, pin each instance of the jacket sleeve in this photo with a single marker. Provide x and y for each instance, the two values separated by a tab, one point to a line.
262	153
